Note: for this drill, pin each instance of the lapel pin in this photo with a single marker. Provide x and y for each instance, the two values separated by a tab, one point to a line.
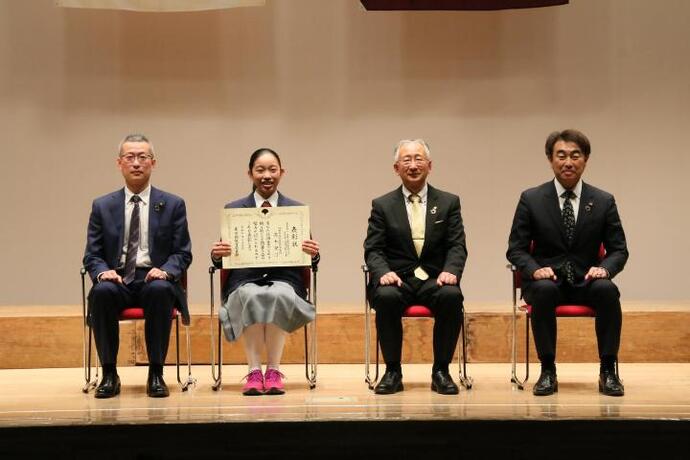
589	206
433	210
158	206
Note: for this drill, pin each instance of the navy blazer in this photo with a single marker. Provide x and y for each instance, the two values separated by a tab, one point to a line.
240	276
389	246
538	220
170	247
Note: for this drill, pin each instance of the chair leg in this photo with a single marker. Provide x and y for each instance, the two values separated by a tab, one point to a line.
87	340
89	382
217	378
520	384
371	382
184	386
465	380
310	357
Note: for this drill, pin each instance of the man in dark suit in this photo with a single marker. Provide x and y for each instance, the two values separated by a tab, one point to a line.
557	231
415	251
137	250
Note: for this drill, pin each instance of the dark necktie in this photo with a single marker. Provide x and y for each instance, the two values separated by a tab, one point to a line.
133	242
266	204
568	215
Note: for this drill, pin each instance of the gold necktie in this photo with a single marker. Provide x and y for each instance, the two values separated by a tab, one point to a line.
417	224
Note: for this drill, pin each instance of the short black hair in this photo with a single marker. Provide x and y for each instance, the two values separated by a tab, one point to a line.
567	135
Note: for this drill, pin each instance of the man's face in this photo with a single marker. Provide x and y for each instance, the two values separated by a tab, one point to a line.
412	166
568	163
266	174
136	163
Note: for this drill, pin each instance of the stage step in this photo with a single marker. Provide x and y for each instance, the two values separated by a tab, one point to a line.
51	336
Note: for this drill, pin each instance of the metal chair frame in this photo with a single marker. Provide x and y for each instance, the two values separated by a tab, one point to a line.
91	377
310	346
465	380
585	312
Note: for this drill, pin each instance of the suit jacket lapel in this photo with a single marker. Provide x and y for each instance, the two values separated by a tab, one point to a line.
553	208
583	209
154	217
431	205
117	217
400	213
249	201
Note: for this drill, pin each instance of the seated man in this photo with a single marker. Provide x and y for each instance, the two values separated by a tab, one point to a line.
557	231
415	251
137	249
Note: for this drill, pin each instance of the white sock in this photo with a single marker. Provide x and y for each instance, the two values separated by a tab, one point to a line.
253	345
275	342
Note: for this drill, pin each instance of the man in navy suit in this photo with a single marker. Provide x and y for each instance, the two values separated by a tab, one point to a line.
415	250
557	231
137	250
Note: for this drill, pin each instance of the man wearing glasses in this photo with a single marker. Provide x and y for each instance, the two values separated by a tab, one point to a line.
555	242
415	251
137	249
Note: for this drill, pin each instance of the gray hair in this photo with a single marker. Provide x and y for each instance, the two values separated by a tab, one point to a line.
404	142
136	137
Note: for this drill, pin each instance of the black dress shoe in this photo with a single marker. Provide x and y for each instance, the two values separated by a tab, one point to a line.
390	383
610	384
547	384
442	383
156	387
109	386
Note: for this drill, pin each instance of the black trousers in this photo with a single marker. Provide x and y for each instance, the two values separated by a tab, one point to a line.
107	299
601	294
446	303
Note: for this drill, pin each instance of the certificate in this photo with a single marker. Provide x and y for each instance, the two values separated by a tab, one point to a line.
266	237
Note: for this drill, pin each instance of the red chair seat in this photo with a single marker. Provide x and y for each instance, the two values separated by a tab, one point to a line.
418	311
138	313
567	310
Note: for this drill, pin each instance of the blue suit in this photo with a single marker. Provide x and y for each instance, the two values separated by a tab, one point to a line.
169	249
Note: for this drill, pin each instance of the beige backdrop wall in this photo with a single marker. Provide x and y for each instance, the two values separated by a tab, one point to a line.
332	88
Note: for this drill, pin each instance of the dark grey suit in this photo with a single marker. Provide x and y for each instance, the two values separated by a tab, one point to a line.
538	223
389	247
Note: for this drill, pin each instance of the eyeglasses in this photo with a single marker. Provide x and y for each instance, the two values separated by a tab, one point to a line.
406	161
142	157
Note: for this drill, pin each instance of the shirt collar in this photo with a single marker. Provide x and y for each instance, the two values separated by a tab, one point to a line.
422	193
144	195
577	190
259	200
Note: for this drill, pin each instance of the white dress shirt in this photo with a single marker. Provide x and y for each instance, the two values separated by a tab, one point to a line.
577	190
408	204
143	256
259	200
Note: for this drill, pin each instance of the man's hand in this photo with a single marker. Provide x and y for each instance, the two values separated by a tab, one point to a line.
311	247
544	273
597	273
155	274
389	279
110	275
220	249
446	278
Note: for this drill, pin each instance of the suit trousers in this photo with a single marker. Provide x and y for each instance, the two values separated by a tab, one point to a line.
107	299
444	301
601	294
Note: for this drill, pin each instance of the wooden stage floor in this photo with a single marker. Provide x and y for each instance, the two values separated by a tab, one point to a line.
52	397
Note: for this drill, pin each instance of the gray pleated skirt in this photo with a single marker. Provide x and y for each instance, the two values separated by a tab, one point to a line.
276	303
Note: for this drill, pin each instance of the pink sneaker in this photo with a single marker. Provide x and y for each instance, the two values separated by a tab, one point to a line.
255	383
274	382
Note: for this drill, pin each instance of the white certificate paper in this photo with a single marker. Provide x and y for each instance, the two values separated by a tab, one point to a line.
265	237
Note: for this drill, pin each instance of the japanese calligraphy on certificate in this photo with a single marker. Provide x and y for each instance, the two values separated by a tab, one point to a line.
265	237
